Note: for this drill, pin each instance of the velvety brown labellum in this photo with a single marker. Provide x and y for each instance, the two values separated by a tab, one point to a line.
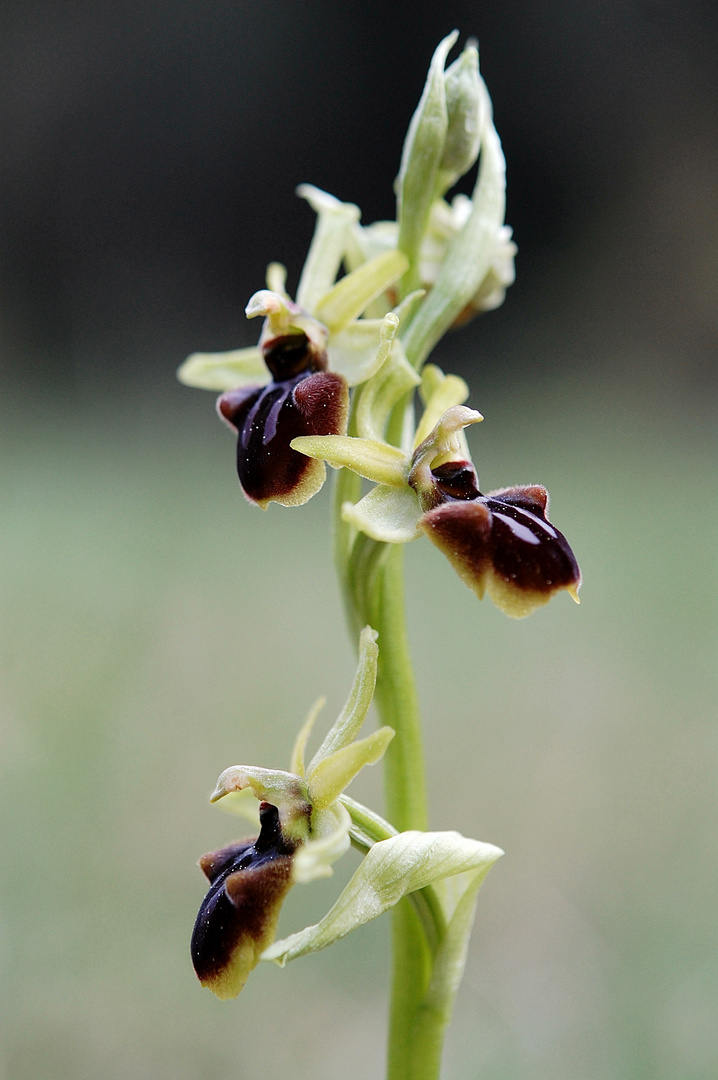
238	916
268	418
503	544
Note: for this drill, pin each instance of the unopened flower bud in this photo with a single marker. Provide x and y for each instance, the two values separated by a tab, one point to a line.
465	112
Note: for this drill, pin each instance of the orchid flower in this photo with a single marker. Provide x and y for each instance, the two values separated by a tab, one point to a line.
296	380
502	543
306	824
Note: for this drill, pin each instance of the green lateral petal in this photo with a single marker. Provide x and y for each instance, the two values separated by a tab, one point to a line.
361	349
470	254
329	778
369	458
350	296
350	719
388	514
378	397
297	762
276	278
440	392
326	251
421	156
391	869
224	370
328	841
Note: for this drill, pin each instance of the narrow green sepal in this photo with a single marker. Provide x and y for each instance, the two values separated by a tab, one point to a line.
374	460
350	719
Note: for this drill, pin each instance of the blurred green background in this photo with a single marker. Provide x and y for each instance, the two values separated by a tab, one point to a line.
155	628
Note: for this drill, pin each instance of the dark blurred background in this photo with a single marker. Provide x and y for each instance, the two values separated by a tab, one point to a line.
156	629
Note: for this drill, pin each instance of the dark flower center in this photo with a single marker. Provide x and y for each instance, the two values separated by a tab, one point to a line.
291	355
456	480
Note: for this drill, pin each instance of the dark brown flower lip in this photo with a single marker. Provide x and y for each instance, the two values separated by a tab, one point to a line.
267	418
503	543
236	919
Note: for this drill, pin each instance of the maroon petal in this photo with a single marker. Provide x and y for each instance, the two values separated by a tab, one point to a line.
504	545
268	418
238	916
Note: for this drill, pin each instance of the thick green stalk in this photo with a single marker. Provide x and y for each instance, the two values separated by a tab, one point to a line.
371	576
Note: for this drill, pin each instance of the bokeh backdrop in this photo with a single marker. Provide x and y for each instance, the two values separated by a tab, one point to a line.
155	628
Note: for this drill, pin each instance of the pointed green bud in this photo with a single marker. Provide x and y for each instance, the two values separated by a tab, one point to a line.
464	106
470	254
420	161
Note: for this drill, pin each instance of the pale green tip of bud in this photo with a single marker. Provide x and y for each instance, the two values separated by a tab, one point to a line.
465	112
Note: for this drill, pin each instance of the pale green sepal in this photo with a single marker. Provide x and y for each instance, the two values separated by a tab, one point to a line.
327	780
350	296
369	458
296	764
328	244
346	727
470	254
358	351
439	392
387	514
421	155
328	840
224	370
268	785
390	870
379	396
464	102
